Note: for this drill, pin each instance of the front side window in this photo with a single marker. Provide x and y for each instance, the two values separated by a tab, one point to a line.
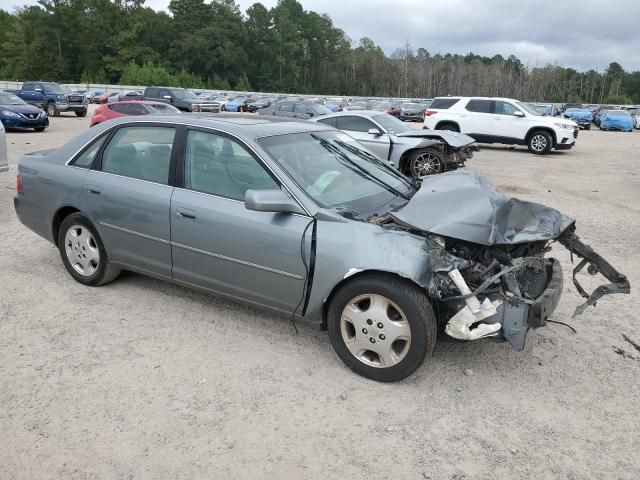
140	152
220	166
504	108
355	124
302	108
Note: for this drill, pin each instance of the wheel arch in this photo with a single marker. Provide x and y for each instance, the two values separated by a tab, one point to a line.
356	274
403	163
549	130
447	122
58	218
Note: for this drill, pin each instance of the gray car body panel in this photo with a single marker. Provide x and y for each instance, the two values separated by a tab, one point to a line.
4	161
393	147
465	206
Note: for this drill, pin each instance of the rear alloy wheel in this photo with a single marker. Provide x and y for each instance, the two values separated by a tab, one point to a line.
540	142
381	326
424	163
83	253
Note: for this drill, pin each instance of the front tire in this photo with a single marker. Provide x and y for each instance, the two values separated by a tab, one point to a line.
52	110
425	162
540	142
83	252
39	129
381	326
81	113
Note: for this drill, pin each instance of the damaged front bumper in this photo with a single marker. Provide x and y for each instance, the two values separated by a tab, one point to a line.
509	316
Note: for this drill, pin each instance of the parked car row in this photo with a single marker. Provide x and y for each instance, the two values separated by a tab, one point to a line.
53	98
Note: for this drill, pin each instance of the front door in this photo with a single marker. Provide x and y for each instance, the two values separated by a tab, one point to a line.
220	245
128	196
505	125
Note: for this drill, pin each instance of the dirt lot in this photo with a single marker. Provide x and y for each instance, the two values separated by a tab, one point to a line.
141	379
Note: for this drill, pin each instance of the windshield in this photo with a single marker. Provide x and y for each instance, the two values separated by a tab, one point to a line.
382	106
530	109
392	124
334	170
162	108
56	88
318	109
182	94
10	99
618	113
416	106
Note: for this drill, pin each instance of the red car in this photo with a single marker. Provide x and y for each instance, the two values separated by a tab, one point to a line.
132	107
391	108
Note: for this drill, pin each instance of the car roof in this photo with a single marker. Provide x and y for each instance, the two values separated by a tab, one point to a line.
243	125
351	113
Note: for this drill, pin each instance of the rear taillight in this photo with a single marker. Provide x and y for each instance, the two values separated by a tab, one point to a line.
19	183
428	113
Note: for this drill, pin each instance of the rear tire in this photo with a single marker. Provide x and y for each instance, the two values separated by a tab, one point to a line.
83	252
540	142
381	326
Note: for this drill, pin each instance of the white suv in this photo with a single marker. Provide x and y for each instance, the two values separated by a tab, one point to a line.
501	120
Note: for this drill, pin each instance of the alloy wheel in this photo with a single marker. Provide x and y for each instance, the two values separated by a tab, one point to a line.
538	143
426	163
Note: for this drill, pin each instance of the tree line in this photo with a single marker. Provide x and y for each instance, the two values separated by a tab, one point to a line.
283	49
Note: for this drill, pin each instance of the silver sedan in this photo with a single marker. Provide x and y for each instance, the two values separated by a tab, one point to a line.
297	218
4	162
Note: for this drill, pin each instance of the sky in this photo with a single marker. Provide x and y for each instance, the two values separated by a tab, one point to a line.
581	34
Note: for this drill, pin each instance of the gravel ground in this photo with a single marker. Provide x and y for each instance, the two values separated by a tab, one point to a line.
141	379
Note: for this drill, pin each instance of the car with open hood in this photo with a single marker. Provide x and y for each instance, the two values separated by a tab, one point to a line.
17	114
296	217
416	153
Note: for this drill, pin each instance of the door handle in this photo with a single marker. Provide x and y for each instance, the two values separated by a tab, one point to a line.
93	190
186	213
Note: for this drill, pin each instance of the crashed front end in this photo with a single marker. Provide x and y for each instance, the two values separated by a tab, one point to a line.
486	266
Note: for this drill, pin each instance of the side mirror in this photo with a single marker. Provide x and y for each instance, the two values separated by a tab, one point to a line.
38	89
374	131
275	201
518	113
168	97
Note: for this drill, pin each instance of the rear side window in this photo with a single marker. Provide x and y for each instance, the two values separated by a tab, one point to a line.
140	152
120	108
27	87
444	103
479	106
355	124
152	93
86	158
332	122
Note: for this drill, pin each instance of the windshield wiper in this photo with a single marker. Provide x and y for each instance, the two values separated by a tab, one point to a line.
334	149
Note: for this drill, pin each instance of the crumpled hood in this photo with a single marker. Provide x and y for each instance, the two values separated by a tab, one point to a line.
454	139
464	205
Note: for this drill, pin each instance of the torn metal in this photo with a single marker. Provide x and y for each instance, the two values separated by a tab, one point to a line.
486	264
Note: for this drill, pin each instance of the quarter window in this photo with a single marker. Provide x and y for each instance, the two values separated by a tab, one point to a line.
479	106
220	166
355	124
140	152
86	158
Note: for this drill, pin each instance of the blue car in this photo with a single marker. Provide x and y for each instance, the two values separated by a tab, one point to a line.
235	104
617	120
17	114
581	116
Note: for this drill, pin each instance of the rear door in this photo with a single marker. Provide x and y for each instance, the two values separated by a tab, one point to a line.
476	119
358	127
128	196
217	243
